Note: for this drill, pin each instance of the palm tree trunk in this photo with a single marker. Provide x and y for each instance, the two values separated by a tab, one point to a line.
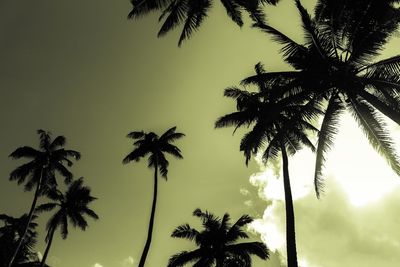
151	223
290	225
46	252
220	262
31	212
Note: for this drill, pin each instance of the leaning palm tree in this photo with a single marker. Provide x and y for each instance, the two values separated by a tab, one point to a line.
71	206
10	233
156	147
191	13
335	65
40	171
280	125
217	243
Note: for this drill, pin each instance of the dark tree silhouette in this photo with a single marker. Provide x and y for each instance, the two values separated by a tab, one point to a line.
156	147
279	126
10	232
191	13
334	66
217	243
71	206
40	171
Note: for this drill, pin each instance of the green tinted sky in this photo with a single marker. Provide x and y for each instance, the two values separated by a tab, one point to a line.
81	69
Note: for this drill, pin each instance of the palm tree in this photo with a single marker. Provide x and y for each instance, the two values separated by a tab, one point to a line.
334	66
217	243
156	147
40	171
191	13
72	206
11	232
280	125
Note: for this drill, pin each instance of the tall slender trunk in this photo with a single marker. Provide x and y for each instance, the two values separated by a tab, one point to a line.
46	252
31	212
220	262
151	223
290	225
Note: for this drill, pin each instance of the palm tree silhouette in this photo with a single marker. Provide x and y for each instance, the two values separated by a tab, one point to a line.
279	125
40	170
334	66
11	232
217	243
191	13
72	206
156	147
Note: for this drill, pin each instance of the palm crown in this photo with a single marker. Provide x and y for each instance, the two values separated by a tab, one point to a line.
217	242
276	120
191	13
155	146
71	206
333	67
50	157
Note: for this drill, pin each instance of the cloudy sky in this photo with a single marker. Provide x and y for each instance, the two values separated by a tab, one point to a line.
81	69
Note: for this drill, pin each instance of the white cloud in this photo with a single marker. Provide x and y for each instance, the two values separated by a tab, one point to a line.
355	222
97	265
129	261
244	192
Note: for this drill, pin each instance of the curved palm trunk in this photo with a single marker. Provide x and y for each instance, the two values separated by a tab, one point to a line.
151	223
46	252
31	212
290	225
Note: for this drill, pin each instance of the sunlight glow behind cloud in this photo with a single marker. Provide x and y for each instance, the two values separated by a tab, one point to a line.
358	170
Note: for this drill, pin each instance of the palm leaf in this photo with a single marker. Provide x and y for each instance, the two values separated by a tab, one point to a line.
376	131
329	128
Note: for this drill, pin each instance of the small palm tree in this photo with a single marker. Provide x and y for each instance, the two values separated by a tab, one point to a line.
40	171
191	13
217	243
10	234
156	147
280	125
72	206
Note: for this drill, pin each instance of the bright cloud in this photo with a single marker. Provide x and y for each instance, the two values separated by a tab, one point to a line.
129	261
355	223
97	265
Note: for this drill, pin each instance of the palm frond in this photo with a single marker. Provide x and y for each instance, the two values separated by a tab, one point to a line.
233	10
253	248
184	257
177	12
136	135
376	131
25	152
196	14
326	135
185	231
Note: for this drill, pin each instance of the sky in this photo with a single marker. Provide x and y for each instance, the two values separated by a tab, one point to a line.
82	70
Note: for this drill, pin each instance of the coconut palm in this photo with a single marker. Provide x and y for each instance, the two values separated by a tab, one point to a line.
217	243
71	206
191	13
39	172
335	66
155	147
280	125
10	233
